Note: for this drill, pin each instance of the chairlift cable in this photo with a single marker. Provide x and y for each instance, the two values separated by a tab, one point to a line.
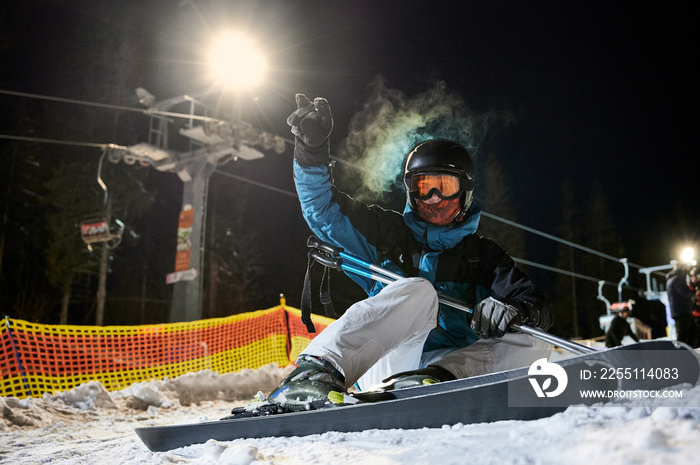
282	191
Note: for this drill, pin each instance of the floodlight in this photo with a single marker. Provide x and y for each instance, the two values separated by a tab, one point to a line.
687	255
235	62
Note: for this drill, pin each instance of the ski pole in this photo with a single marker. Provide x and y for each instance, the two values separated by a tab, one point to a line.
573	347
376	273
315	243
334	257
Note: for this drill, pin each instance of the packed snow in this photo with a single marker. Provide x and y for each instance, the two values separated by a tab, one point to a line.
89	425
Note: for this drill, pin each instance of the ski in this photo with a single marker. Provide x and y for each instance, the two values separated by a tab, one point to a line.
507	395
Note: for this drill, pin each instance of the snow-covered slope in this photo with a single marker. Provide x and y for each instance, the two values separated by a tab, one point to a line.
89	425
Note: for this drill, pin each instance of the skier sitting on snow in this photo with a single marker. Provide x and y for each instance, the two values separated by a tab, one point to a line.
403	329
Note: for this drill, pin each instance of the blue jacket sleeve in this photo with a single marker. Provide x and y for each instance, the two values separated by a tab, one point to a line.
362	230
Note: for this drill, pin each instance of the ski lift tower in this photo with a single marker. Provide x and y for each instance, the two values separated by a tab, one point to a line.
213	143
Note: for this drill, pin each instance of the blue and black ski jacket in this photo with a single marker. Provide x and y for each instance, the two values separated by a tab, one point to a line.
460	263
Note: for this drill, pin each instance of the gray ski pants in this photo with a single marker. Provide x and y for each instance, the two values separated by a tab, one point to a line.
384	334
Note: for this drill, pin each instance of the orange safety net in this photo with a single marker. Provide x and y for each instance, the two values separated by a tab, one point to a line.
37	359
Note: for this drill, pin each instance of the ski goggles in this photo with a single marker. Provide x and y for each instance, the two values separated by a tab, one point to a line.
446	186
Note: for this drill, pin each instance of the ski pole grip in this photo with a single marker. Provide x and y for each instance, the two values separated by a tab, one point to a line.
316	243
325	260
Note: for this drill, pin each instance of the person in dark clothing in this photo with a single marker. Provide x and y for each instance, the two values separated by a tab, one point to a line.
680	302
619	328
402	328
694	285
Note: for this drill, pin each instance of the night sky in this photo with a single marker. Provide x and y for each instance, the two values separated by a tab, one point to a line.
596	90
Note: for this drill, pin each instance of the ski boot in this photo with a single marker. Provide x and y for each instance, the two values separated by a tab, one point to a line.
425	376
308	385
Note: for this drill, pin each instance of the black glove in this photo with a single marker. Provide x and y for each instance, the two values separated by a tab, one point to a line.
491	318
312	124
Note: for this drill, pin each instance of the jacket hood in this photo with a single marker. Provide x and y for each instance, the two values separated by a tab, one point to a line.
440	238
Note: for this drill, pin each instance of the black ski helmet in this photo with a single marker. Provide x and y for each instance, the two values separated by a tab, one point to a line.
441	156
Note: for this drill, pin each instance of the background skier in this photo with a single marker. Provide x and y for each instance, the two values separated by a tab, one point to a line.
680	302
694	285
619	328
403	329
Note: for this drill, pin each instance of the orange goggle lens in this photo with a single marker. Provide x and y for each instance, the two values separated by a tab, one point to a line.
447	185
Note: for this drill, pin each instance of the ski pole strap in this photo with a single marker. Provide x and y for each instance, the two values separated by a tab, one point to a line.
325	294
318	255
306	297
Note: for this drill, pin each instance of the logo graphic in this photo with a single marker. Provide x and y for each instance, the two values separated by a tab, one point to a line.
542	367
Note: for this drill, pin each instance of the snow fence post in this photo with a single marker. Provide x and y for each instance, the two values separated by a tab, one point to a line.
17	357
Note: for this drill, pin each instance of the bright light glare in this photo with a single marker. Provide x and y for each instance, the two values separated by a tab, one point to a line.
687	255
235	62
